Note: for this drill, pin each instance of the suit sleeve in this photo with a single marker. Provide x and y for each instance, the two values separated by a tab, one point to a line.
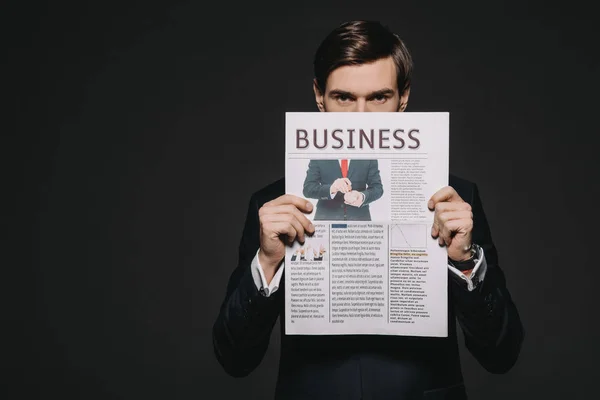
487	315
374	186
246	318
313	184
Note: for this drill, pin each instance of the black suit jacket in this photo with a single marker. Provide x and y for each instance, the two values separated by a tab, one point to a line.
369	366
364	175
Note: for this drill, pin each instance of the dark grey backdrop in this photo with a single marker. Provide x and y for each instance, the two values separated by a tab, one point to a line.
143	129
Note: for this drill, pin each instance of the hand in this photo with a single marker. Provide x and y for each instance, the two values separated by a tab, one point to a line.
281	220
341	185
354	198
452	223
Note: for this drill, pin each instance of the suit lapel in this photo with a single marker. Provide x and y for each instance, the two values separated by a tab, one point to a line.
335	166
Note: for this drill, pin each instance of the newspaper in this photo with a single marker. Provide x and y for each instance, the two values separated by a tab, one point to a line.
372	266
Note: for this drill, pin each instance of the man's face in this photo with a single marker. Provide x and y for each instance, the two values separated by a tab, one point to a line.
362	88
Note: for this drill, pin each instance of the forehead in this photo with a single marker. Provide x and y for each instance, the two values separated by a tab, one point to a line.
365	78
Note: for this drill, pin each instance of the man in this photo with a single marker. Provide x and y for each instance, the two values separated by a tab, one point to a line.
295	256
344	188
361	66
309	253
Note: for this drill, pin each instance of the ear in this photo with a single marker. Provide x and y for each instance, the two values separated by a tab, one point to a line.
404	99
318	96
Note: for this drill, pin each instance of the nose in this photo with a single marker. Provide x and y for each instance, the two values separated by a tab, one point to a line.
361	105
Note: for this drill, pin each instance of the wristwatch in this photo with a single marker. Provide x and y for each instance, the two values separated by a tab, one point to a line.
469	264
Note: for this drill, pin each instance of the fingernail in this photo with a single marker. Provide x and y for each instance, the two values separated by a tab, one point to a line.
430	204
311	227
309	206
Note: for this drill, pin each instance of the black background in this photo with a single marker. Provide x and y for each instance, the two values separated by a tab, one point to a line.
135	134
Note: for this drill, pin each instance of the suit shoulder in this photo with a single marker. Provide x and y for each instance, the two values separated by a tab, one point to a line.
269	192
463	187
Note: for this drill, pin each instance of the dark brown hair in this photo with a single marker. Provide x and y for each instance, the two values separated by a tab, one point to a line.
362	42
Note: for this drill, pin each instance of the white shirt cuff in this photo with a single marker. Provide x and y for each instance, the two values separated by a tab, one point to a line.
477	274
259	277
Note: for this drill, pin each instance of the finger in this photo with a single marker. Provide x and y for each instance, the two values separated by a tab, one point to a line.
447	206
289	239
453	227
281	228
447	193
284	228
307	225
271	220
284	209
346	185
445	235
299	202
292	210
450	222
444	206
446	216
300	232
435	230
445	231
459	226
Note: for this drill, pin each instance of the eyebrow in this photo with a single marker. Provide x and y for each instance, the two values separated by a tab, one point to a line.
380	92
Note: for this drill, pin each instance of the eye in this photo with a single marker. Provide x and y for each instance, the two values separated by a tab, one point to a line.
342	98
380	99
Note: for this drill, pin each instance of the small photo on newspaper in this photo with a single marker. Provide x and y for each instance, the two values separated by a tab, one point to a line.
372	266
